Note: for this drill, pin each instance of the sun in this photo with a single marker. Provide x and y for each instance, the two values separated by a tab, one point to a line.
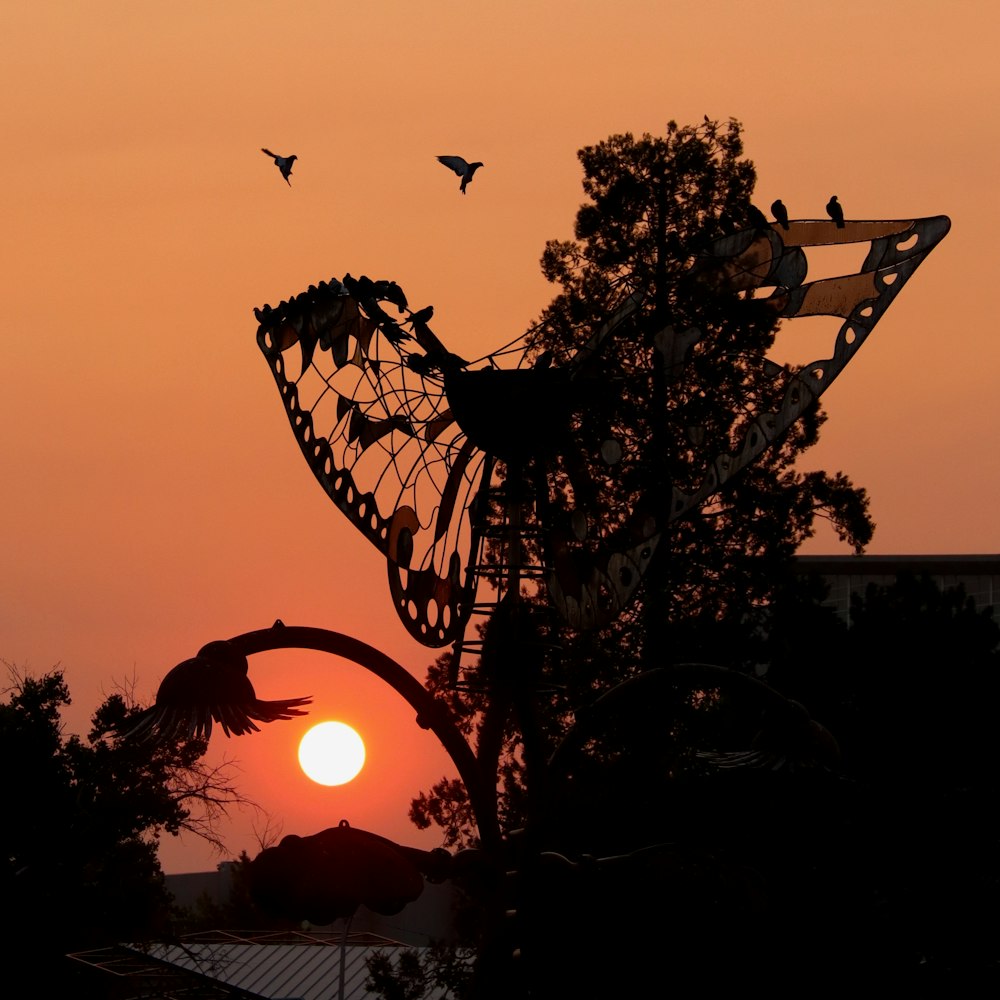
331	753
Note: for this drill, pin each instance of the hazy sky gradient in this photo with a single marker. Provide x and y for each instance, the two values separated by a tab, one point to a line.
154	497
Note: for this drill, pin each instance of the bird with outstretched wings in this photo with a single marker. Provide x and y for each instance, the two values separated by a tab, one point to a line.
213	686
406	437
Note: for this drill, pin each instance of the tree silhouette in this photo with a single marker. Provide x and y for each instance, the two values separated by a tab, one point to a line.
645	785
910	690
640	462
83	817
654	205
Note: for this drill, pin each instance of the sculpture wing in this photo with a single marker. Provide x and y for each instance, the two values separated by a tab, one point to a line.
368	409
778	260
595	562
402	435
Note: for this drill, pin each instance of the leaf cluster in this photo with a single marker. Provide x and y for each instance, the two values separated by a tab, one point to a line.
441	970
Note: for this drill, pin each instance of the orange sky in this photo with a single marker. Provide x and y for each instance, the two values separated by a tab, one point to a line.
154	498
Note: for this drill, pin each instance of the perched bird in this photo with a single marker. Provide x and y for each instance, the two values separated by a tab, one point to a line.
283	163
422	316
756	217
780	213
464	169
834	210
363	288
726	223
369	293
211	686
438	356
389	291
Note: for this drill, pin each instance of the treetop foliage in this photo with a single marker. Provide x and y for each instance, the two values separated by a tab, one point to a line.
654	203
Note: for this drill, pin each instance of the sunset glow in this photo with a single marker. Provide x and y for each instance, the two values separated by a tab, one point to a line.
156	499
332	753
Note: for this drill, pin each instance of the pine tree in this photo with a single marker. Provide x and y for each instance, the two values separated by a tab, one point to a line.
654	205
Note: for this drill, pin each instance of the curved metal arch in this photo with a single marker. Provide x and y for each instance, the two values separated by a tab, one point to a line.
432	713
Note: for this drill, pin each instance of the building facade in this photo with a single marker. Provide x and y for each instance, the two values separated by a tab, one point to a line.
978	575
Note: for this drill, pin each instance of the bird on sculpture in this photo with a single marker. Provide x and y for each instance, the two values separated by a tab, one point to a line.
211	686
756	217
283	163
835	211
422	316
438	357
391	292
780	213
727	224
462	167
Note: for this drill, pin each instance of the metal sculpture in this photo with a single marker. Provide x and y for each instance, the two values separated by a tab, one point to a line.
405	436
527	465
212	686
330	874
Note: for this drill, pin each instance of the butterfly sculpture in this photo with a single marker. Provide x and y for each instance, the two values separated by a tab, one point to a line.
407	438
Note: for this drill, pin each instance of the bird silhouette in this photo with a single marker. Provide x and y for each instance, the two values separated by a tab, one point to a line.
780	213
727	224
835	211
756	217
211	686
463	168
283	163
422	316
438	357
389	291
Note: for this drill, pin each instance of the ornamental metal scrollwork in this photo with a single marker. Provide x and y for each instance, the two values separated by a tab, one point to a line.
406	438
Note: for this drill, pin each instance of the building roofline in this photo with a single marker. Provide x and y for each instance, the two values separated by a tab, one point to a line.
893	564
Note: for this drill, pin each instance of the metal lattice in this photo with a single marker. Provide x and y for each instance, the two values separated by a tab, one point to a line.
458	471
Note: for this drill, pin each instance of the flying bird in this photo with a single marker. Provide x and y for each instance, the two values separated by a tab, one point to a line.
780	213
283	163
211	686
834	210
463	168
